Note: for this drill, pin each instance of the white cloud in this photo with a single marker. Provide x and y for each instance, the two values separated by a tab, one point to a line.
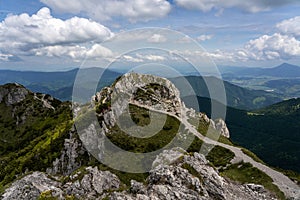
273	47
204	37
151	57
145	57
76	52
6	57
132	59
249	6
134	10
42	34
157	38
290	26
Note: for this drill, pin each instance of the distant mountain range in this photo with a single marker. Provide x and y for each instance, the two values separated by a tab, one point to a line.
284	70
60	85
237	97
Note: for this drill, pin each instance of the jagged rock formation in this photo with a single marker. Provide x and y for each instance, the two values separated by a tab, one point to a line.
12	93
186	177
89	183
221	126
179	181
71	156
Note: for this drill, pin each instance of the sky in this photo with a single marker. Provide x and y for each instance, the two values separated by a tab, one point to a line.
51	35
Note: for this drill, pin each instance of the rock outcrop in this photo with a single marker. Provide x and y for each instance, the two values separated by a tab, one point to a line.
190	177
73	156
221	126
186	177
12	93
89	183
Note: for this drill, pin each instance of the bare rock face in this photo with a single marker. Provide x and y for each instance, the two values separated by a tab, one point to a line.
221	126
31	186
89	183
12	93
93	183
69	160
190	177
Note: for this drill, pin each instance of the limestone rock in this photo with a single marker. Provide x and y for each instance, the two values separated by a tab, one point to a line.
222	128
69	160
13	93
31	186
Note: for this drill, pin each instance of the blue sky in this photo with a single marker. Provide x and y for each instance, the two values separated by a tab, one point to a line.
55	35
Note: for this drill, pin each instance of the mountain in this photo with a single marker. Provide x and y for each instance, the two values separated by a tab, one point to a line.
58	84
237	97
32	130
289	107
284	70
286	87
272	133
62	160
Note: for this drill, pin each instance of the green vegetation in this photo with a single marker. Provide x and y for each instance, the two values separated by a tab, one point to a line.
246	173
47	195
34	142
220	156
288	107
252	155
273	134
149	144
195	146
140	116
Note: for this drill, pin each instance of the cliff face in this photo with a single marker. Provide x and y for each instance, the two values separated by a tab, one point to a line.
186	177
12	93
174	173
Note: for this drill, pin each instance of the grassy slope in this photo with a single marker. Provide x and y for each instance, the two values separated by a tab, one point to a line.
273	137
35	144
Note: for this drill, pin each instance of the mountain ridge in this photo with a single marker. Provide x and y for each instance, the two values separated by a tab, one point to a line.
187	173
283	70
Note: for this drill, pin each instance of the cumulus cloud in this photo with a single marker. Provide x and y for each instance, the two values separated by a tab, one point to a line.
150	57
157	38
273	47
290	26
204	37
134	10
145	57
42	34
76	52
249	6
132	59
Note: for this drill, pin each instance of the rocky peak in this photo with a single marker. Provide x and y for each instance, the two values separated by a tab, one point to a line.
148	90
12	93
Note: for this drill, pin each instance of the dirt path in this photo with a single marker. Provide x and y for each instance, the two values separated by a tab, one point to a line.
287	186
